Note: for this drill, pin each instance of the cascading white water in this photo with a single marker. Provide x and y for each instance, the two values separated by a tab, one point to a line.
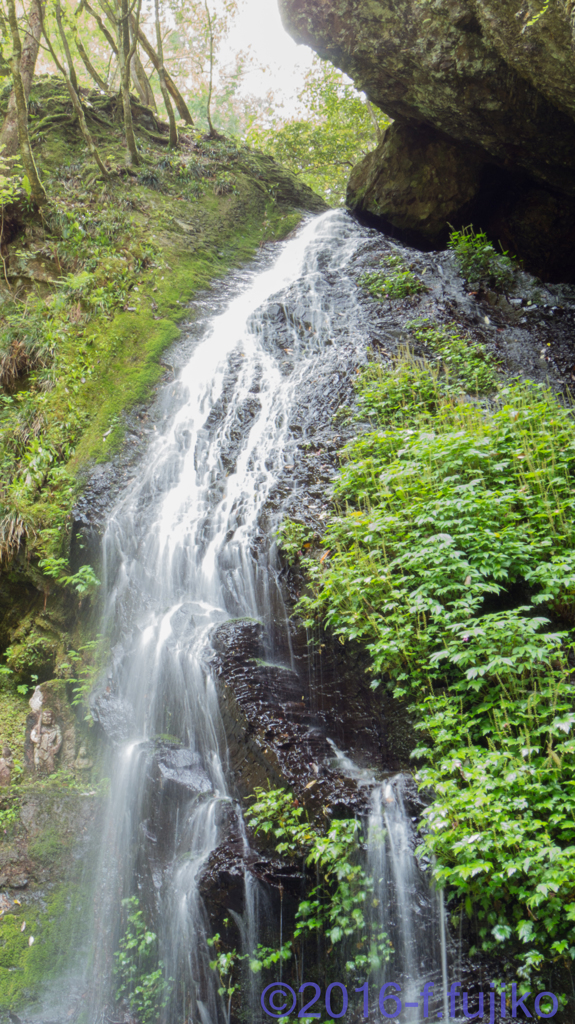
408	910
182	554
179	559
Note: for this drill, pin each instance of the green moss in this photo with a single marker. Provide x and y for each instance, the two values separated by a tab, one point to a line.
49	847
35	653
57	929
14	711
131	343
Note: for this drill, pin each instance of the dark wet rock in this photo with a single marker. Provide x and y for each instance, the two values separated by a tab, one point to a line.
179	769
113	715
484	110
418	181
275	738
222	884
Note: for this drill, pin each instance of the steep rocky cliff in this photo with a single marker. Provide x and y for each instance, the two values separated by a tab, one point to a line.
483	99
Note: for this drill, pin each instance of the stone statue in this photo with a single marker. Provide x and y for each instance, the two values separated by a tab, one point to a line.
82	760
36	701
6	766
47	739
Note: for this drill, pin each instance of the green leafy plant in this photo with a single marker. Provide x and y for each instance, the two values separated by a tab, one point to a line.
293	539
84	581
452	558
225	183
394	281
478	259
335	906
225	964
468	364
139	973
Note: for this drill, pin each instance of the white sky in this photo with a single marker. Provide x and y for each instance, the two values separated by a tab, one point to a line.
279	63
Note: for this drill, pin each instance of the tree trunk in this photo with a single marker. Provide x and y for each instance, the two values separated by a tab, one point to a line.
126	51
140	80
36	187
76	103
109	38
88	64
162	77
67	54
9	137
212	132
170	84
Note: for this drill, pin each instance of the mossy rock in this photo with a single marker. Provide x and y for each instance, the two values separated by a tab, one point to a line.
58	926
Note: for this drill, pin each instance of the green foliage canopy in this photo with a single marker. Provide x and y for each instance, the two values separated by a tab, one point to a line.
338	129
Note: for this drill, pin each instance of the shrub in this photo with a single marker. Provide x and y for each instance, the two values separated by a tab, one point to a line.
225	184
394	281
293	539
467	363
139	972
335	907
478	260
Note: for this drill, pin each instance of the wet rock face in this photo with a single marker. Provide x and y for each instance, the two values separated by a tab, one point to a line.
181	769
485	116
285	725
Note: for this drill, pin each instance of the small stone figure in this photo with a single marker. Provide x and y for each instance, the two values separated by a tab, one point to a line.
36	701
82	760
6	766
47	739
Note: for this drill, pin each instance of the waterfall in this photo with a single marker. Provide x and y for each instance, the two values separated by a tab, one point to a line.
408	910
187	548
180	556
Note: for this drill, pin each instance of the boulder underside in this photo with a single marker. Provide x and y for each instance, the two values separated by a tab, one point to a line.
484	117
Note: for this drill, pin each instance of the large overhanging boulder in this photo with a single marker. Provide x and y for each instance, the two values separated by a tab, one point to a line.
484	110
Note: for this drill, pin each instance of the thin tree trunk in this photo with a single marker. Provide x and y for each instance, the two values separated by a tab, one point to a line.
68	55
211	83
79	110
82	51
113	68
88	64
170	84
107	35
36	187
162	77
141	81
9	137
126	51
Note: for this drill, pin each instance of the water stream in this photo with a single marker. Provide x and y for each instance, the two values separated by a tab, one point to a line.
408	910
183	553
